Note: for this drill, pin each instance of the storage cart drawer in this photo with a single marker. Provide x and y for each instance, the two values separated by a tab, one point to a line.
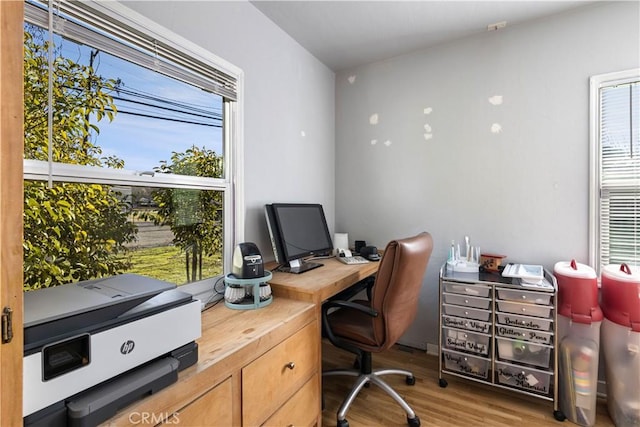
466	341
524	296
525	309
536	323
529	379
469	313
524	352
467	289
469	324
525	334
466	364
466	301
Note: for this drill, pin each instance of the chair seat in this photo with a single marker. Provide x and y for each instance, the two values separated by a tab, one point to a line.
354	326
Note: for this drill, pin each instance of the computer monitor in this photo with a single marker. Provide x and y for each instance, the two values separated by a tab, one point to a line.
298	231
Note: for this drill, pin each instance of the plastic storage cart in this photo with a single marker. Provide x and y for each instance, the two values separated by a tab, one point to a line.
620	337
579	321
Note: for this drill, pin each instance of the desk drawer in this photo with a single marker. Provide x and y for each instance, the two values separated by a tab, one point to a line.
273	378
524	352
302	409
467	301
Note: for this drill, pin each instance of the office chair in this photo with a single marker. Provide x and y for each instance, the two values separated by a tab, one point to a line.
366	327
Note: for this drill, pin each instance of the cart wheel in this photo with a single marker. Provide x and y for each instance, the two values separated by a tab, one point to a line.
442	382
343	423
413	422
410	380
559	416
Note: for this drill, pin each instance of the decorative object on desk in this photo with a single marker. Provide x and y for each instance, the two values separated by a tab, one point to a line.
491	262
359	244
468	263
247	261
247	294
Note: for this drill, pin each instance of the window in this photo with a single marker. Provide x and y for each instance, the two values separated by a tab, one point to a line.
615	169
130	145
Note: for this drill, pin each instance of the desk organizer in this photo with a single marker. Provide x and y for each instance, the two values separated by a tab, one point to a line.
245	294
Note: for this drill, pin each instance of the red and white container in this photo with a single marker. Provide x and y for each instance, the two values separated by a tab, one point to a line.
620	337
579	320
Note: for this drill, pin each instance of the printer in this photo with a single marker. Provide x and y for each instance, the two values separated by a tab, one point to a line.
93	347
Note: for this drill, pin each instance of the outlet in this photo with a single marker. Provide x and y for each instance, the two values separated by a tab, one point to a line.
496	26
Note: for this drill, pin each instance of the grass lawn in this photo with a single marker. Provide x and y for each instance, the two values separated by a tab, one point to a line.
168	263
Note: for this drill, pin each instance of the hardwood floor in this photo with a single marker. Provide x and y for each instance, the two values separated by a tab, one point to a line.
462	403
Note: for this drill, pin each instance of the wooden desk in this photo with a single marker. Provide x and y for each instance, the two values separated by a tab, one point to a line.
319	284
241	377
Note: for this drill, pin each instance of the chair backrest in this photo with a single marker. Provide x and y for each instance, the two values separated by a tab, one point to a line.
397	286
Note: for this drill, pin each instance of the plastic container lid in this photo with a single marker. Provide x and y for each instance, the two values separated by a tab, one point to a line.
621	295
577	292
574	269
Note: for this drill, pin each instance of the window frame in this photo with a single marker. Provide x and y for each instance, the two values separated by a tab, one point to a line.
596	83
230	184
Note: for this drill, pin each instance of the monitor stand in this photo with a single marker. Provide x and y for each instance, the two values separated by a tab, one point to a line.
298	266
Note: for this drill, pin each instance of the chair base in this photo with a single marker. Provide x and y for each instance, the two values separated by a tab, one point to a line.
373	377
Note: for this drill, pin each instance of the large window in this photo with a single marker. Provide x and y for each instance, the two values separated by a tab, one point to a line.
615	169
129	149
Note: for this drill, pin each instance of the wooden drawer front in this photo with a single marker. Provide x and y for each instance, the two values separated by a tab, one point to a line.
302	409
274	377
213	408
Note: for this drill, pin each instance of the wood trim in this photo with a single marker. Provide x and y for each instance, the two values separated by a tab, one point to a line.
11	202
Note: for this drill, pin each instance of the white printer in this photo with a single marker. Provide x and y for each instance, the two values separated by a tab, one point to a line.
92	347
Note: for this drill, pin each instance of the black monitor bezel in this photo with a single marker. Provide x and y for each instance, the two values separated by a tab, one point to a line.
283	245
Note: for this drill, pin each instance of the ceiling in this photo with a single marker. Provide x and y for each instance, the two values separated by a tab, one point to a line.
345	34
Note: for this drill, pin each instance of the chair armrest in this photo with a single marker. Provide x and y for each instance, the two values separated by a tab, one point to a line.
350	305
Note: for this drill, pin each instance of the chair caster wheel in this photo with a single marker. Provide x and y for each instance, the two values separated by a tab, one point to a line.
559	416
410	380
442	382
343	423
413	422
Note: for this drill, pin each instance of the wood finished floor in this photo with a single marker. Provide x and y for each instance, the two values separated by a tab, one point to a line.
462	403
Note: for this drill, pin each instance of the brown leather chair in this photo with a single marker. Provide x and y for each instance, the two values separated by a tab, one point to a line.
365	327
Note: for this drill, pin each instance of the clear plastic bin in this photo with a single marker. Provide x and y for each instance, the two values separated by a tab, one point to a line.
524	352
472	290
536	323
525	309
469	313
529	379
466	341
467	301
466	364
579	319
525	334
468	324
524	296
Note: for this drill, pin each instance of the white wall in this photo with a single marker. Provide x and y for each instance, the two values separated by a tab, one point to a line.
522	192
287	92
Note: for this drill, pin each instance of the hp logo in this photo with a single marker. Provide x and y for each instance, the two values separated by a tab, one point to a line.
127	347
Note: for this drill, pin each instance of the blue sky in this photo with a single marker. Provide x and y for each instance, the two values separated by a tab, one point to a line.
143	142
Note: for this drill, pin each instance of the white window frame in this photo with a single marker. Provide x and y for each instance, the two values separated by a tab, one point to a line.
232	183
595	167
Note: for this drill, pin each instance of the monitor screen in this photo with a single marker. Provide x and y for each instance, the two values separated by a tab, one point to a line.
301	230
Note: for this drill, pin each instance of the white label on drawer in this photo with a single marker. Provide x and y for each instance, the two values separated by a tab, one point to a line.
532	380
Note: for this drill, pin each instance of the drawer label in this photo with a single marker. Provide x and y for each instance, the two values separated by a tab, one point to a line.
462	366
523	379
467	345
526	335
525	323
465	324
